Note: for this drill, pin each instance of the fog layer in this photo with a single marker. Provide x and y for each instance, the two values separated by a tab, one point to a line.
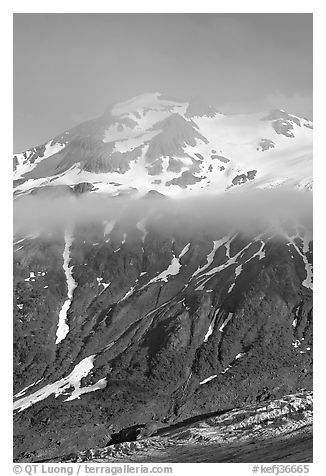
242	211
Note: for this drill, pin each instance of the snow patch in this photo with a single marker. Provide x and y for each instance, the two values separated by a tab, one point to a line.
24	390
227	369
296	343
31	277
210	257
308	266
81	370
211	326
184	251
128	293
231	287
63	328
229	262
173	268
227	320
100	283
208	379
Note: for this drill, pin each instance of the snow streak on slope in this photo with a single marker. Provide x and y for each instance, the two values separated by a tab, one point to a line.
211	326
63	327
238	356
238	270
128	293
24	390
227	320
81	370
172	270
307	282
208	379
210	256
184	251
230	260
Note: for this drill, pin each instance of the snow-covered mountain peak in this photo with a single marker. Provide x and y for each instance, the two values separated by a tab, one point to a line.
143	101
153	142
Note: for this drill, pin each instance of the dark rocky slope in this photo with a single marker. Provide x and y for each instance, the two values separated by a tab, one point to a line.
174	314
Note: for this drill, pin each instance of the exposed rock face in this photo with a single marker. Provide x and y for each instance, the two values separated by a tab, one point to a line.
221	158
154	195
185	179
48	191
251	174
162	331
176	133
155	168
266	144
83	187
283	127
277	114
283	122
198	107
243	178
175	165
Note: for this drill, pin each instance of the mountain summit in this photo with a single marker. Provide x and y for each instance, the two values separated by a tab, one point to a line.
176	148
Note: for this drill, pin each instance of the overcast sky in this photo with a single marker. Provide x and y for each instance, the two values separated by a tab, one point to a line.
70	67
